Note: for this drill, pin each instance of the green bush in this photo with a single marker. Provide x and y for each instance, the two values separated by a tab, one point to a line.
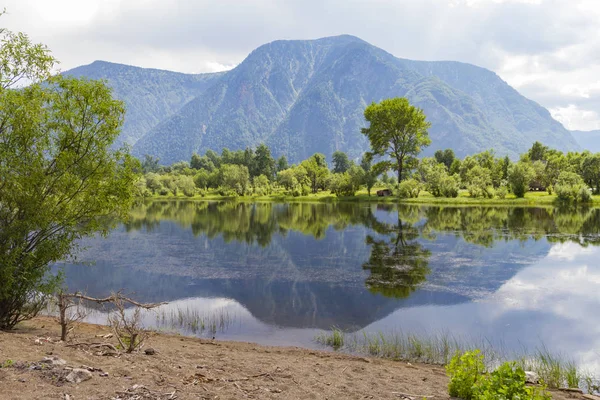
519	176
450	186
507	383
570	187
501	192
464	371
409	188
468	380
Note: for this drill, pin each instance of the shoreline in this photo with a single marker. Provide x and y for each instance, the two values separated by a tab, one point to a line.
194	368
536	199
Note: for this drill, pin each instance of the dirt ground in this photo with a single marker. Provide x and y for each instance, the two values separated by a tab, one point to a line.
191	368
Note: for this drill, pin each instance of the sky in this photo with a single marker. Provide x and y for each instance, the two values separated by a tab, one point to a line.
549	50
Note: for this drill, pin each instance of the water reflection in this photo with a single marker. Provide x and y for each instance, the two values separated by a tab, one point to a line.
291	269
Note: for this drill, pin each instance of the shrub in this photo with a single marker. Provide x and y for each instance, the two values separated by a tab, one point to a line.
501	192
464	371
450	186
468	380
507	383
409	188
570	187
519	177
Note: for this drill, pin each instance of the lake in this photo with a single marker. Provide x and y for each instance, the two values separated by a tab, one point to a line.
279	274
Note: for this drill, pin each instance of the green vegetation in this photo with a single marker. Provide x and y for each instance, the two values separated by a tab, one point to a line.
469	380
467	362
397	130
59	180
553	178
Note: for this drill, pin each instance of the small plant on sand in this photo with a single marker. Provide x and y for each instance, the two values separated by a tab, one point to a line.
464	371
468	380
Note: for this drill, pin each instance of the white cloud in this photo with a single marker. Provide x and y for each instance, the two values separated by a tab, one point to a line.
574	118
547	49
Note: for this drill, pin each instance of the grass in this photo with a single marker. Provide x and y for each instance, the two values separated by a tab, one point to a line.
554	369
194	321
530	199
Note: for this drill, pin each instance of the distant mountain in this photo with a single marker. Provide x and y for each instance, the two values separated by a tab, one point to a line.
150	95
588	140
307	96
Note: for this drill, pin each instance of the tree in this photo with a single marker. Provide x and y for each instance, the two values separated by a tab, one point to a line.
214	157
59	178
317	171
150	164
537	152
341	163
201	162
445	157
282	163
519	177
369	173
590	171
397	129
264	163
235	178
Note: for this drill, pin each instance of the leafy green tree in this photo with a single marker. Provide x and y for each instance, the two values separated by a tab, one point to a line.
369	173
186	184
571	187
479	182
519	176
590	171
150	164
264	163
397	129
341	162
282	163
153	182
202	162
235	178
202	179
213	157
59	178
261	185
341	184
317	171
537	152
445	157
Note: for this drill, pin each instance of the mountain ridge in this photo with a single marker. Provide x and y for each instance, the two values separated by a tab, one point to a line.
306	96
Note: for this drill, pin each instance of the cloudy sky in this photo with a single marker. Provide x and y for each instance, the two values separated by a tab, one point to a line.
548	49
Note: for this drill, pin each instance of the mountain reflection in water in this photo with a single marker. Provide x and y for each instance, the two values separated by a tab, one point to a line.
511	274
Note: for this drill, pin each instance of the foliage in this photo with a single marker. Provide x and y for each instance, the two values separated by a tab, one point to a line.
316	171
507	382
570	187
479	182
409	189
397	129
261	185
341	162
59	177
445	157
519	176
370	173
235	178
590	171
465	370
468	380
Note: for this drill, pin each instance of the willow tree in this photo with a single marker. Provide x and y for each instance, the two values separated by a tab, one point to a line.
398	130
59	178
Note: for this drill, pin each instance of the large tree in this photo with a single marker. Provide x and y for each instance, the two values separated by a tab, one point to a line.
341	162
59	178
397	129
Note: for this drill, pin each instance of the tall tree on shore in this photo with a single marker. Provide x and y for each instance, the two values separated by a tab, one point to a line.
397	129
59	178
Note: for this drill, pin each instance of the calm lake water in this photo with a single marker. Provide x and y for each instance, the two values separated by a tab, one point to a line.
282	273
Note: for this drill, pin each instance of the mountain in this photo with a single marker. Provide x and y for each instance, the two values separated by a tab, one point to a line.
150	95
588	140
306	96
